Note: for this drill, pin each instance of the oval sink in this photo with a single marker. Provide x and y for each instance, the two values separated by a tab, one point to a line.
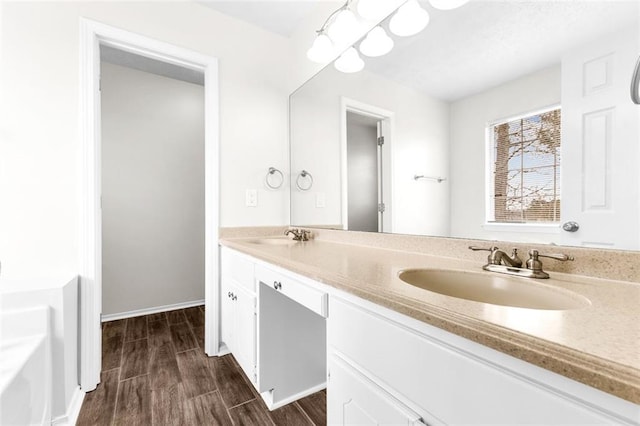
493	289
274	241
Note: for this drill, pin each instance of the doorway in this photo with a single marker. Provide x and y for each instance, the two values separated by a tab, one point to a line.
93	36
152	132
366	202
366	175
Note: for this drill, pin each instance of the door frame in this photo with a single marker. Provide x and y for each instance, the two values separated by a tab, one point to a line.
92	35
388	118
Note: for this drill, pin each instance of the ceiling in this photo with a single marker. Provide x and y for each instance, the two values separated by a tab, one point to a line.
467	50
488	42
280	17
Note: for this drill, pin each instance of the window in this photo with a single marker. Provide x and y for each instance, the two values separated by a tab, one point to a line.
525	178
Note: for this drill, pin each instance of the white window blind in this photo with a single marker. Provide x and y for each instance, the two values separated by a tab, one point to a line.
526	169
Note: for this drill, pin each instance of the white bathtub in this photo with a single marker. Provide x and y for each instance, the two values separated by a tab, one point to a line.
25	367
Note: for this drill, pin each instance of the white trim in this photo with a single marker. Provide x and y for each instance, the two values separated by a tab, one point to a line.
545	228
351	105
73	410
523	115
154	310
92	34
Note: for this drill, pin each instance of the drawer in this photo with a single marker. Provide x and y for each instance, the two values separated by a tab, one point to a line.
305	295
441	379
238	269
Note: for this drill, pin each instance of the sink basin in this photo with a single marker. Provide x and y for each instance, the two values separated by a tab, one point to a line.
274	241
493	289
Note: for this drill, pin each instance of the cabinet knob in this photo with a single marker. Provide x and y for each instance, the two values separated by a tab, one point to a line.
277	285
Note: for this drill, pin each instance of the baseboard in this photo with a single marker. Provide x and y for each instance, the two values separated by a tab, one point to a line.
271	405
154	310
73	410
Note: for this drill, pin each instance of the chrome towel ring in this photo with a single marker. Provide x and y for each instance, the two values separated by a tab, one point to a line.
635	82
273	171
300	181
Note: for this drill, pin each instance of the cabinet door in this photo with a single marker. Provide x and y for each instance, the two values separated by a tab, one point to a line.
226	313
353	399
244	333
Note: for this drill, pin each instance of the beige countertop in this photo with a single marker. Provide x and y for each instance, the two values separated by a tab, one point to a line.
598	345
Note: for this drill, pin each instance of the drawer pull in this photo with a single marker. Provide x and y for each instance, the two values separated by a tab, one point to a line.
277	285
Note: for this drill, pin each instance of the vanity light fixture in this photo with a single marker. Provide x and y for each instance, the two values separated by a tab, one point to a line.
322	49
447	4
349	61
343	27
409	19
377	43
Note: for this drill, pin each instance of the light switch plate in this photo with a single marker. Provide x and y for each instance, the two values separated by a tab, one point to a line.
251	198
320	200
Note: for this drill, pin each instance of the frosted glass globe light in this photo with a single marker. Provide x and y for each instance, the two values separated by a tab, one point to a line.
322	49
372	10
349	61
377	43
343	27
447	4
410	19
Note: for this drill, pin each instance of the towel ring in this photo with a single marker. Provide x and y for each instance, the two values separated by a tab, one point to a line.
304	174
272	171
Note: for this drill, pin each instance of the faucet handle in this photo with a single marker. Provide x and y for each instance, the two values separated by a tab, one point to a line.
476	248
534	254
535	265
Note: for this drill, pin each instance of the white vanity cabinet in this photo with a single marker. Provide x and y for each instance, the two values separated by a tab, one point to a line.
422	374
293	336
238	309
274	324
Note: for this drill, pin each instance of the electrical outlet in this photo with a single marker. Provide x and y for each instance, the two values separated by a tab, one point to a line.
320	200
251	198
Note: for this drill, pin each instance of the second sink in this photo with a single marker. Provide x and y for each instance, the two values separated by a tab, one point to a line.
493	289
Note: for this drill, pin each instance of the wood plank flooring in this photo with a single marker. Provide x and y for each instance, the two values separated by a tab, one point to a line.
155	372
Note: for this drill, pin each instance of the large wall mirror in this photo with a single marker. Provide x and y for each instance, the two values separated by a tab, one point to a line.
507	120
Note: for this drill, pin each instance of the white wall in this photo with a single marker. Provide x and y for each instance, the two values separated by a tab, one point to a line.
152	190
39	152
419	145
469	120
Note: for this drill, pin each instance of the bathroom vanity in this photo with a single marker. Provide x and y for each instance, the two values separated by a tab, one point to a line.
322	314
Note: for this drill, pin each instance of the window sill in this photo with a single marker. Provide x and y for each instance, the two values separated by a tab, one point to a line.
545	228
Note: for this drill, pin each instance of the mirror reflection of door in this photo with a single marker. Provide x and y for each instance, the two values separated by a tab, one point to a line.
364	165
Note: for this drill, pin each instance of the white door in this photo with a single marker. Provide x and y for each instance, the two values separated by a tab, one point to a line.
600	128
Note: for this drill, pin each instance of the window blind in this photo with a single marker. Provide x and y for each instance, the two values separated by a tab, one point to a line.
526	169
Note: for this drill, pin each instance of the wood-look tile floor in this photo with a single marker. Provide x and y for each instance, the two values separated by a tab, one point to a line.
155	372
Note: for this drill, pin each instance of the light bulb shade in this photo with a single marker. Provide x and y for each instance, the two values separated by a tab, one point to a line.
372	10
343	27
349	61
377	43
409	19
322	49
447	4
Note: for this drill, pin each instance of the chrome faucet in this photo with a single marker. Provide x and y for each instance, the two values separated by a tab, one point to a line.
499	261
299	234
